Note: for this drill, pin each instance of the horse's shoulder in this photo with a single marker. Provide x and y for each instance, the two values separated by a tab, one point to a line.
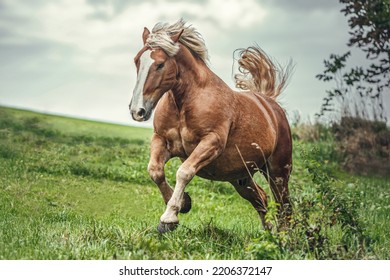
166	107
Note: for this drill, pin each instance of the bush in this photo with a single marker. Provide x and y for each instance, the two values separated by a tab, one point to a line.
326	222
364	146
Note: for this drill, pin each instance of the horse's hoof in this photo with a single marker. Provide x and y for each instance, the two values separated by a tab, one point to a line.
187	204
165	227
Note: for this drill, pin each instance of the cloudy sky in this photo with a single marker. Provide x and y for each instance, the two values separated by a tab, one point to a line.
76	57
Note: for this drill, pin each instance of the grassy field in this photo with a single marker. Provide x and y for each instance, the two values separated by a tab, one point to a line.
72	189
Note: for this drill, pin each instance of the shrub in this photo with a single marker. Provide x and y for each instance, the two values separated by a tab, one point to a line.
364	146
326	223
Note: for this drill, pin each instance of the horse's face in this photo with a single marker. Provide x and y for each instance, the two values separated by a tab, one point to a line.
156	74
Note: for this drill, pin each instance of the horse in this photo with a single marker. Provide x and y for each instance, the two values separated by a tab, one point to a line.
218	133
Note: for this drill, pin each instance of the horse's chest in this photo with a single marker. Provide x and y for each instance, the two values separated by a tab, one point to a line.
181	142
189	140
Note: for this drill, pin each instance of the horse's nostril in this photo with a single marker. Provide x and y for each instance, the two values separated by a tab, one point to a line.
141	113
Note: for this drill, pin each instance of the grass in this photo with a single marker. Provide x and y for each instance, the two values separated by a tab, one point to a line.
73	189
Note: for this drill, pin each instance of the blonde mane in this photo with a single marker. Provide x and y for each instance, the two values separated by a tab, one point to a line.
161	37
257	71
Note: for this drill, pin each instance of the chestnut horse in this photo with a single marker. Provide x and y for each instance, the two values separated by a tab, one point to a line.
218	133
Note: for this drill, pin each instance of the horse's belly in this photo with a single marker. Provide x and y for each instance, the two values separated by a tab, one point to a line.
235	163
246	151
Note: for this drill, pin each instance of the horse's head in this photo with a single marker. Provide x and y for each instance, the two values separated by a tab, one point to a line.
156	74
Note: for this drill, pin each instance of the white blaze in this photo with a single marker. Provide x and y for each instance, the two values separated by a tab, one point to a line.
138	100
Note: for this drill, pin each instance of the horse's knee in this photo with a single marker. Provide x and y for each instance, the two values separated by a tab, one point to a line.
253	193
184	175
261	202
156	173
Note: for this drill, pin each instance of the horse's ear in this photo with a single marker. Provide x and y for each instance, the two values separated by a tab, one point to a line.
175	38
145	35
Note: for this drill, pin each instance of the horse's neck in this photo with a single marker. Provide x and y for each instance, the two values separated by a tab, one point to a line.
194	76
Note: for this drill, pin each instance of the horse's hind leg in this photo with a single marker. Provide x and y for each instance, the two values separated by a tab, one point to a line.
255	195
277	172
159	155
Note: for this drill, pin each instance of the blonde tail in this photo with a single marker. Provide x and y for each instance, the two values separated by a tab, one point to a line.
259	73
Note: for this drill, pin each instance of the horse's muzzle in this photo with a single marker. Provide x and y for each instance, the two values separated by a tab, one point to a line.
139	114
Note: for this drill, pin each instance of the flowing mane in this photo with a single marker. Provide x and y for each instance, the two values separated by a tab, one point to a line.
191	38
257	71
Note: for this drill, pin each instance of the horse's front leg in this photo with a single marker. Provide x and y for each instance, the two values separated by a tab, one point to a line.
159	155
207	150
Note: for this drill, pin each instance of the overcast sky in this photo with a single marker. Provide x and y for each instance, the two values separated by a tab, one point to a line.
76	57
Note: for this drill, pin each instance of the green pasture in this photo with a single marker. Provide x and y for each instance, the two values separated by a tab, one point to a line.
74	189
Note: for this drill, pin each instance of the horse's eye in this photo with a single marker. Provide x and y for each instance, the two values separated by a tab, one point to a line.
160	66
